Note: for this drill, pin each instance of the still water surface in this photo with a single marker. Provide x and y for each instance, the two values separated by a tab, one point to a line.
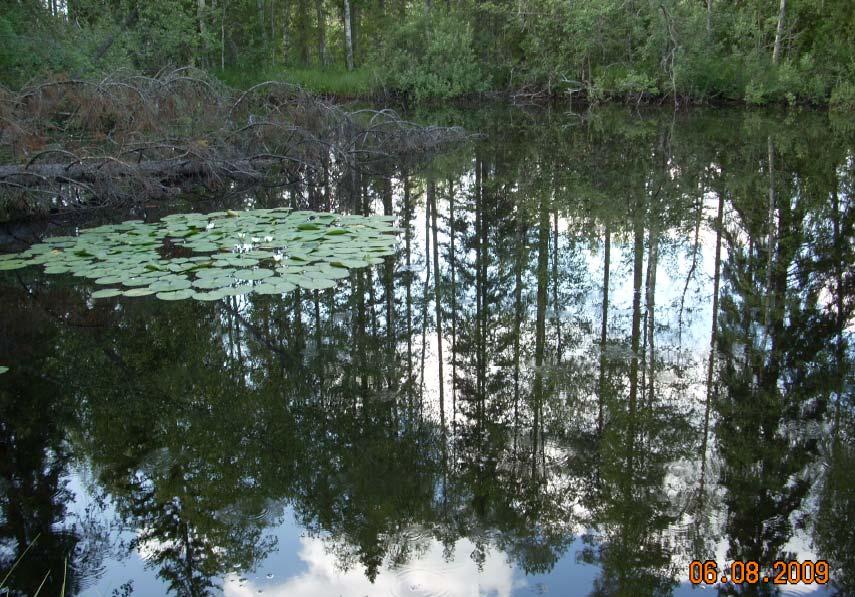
609	344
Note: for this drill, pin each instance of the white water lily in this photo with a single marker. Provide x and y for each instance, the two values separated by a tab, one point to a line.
210	226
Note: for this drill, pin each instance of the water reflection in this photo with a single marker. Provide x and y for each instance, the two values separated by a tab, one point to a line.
605	348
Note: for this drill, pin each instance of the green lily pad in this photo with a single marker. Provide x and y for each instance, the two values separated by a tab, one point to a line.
175	295
170	284
106	293
267	289
136	292
317	283
3	369
13	264
214	295
237	290
213	283
204	247
350	263
109	280
309	249
280	284
253	274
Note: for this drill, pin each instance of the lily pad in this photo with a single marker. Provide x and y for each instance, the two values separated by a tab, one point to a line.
350	263
136	292
214	295
253	274
13	264
317	283
136	258
175	296
106	293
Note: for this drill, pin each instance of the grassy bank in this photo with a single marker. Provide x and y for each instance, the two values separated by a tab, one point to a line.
360	83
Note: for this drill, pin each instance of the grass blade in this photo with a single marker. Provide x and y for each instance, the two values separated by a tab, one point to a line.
18	561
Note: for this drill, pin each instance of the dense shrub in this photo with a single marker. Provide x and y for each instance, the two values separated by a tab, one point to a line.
843	96
31	45
429	56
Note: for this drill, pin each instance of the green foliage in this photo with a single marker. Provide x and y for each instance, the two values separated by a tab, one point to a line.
360	82
615	49
32	44
843	96
320	249
620	81
162	36
429	56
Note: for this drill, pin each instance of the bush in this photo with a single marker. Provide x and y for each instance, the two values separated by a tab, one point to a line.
704	75
843	97
31	45
429	56
623	82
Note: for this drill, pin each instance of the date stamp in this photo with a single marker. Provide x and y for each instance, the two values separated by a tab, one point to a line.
782	572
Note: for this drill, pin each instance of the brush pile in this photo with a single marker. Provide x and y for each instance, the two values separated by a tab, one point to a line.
131	138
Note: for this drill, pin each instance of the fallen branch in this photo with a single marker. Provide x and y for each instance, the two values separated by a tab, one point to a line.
130	137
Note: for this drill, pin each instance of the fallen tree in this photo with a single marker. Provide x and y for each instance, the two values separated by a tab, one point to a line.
131	138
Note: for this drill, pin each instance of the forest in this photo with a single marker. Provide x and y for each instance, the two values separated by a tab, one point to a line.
754	52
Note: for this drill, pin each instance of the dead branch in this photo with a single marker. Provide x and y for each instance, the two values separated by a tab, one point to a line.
129	137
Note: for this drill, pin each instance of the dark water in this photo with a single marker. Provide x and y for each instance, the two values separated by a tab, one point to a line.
609	344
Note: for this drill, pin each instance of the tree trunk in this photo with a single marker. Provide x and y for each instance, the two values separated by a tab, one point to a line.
322	37
272	33
203	30
431	198
719	222
637	274
261	30
303	20
200	16
540	328
354	31
452	265
348	36
652	261
779	32
604	326
223	37
772	237
709	17
286	10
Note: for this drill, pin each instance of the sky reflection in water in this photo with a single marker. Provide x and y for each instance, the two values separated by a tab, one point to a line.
187	446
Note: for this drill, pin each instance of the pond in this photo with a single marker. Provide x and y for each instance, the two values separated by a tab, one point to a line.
604	345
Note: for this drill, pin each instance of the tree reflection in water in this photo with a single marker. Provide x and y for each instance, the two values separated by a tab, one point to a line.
620	341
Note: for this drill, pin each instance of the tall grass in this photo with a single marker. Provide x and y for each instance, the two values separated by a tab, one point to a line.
358	83
18	561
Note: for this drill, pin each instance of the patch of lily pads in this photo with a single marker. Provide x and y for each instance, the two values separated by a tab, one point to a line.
208	257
